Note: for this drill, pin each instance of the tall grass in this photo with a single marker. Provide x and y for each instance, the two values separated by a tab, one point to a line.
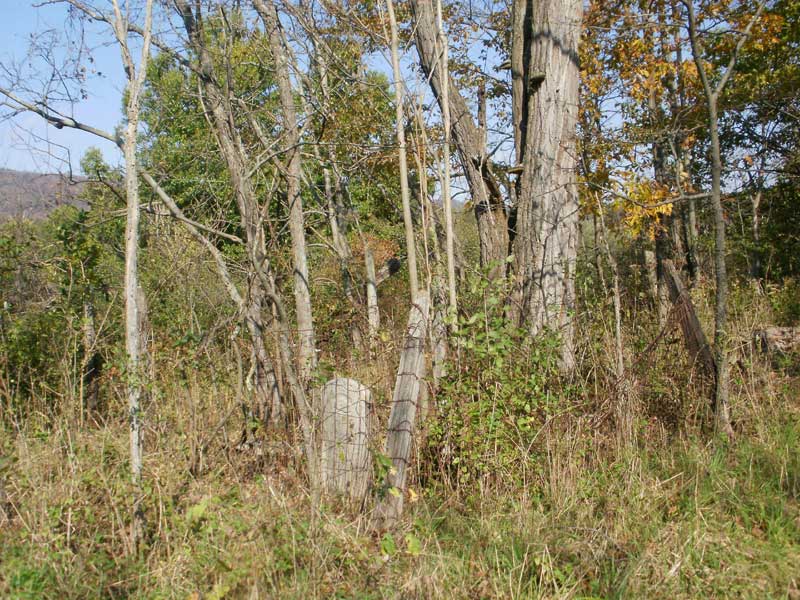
555	504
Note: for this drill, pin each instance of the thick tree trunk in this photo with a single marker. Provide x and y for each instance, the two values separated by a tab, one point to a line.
683	155
489	205
545	246
132	339
663	226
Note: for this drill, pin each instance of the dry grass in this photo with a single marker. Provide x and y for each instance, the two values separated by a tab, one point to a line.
670	513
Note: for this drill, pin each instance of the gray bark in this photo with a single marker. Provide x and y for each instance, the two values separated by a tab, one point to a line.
220	116
712	93
401	151
133	344
448	206
307	352
404	411
545	246
489	204
373	313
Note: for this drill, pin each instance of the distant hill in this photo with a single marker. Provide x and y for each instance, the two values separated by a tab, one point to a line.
35	195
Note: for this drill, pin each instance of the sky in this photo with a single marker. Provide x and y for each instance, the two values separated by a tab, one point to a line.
27	143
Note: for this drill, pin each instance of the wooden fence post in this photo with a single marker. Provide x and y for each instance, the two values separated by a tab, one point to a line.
404	410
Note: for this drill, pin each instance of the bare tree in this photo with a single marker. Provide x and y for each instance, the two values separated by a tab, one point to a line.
401	151
136	76
135	71
712	92
220	110
446	199
302	292
489	203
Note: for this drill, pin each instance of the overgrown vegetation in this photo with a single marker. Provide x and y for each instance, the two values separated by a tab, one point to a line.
567	440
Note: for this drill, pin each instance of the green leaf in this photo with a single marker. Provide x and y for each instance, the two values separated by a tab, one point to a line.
388	545
195	514
413	545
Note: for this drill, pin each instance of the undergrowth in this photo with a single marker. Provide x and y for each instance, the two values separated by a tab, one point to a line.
685	519
523	487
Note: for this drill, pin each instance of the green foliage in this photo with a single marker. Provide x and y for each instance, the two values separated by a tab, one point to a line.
500	388
785	301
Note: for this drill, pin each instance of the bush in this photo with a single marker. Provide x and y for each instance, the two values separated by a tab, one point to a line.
499	389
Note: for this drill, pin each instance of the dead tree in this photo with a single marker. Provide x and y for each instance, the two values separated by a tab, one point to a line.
693	335
489	203
411	250
307	352
402	419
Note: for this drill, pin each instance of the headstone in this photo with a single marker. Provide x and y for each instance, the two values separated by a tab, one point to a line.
345	464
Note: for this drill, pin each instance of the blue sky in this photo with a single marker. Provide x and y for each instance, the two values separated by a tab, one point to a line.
26	142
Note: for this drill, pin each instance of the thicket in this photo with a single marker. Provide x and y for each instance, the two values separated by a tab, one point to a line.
521	487
529	476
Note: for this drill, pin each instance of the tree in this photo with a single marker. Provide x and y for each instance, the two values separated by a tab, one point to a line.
488	201
136	74
401	149
120	25
712	91
546	81
307	352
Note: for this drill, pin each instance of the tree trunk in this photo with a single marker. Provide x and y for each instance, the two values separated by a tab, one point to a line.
133	344
448	206
488	202
545	246
721	405
411	249
307	353
404	410
373	314
92	363
220	116
755	253
693	335
712	93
